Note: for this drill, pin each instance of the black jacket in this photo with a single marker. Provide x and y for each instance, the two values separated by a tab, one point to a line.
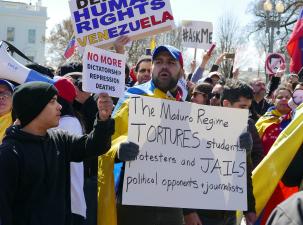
257	153
35	173
293	176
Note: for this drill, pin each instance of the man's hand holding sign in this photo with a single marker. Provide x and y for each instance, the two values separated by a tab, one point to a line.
189	156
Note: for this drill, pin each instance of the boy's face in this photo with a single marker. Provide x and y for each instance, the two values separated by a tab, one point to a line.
243	103
49	117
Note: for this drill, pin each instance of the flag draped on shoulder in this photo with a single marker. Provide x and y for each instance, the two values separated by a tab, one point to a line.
295	45
108	174
70	49
277	160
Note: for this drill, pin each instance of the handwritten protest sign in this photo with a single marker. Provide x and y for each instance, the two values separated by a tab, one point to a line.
273	62
197	34
99	23
103	72
189	156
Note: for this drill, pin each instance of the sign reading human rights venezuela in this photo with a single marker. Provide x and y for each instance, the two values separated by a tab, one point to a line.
100	22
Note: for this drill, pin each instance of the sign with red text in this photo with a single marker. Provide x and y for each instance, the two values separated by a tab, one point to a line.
103	72
197	34
273	62
189	155
99	23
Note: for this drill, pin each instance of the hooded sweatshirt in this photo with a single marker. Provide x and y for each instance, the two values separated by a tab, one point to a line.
35	172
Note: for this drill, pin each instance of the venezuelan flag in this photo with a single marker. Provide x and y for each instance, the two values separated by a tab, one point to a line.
277	161
70	49
295	45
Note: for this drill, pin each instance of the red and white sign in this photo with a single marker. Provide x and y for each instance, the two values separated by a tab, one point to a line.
103	72
273	62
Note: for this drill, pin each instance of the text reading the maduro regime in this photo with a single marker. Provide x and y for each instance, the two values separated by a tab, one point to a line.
189	155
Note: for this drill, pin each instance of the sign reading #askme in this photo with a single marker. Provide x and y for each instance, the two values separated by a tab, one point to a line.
197	34
100	22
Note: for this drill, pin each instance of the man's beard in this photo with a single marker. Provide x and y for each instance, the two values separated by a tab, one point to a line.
167	86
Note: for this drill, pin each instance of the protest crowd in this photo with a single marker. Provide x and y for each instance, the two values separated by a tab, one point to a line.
65	152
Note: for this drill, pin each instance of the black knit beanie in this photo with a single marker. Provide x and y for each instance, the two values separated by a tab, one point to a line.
29	100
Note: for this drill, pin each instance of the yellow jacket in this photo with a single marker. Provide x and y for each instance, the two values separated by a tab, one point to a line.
5	121
107	214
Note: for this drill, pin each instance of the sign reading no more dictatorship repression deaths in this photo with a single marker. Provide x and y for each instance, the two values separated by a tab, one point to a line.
189	156
103	72
99	23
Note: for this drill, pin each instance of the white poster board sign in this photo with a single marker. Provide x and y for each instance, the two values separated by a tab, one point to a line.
197	34
273	62
103	72
189	156
99	23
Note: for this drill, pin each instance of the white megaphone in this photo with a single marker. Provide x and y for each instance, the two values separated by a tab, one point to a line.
12	70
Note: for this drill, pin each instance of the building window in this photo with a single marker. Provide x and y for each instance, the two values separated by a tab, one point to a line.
10	34
32	36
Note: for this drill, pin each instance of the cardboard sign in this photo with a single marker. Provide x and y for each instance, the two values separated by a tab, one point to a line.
273	62
197	34
189	156
99	23
103	72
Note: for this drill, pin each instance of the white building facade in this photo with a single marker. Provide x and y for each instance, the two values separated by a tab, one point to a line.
24	26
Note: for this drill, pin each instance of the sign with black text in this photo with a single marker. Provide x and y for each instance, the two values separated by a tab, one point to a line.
197	34
189	156
103	72
99	23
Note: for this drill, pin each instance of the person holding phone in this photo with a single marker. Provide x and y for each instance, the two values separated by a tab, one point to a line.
198	73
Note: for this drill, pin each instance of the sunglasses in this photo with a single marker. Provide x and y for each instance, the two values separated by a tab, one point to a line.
216	95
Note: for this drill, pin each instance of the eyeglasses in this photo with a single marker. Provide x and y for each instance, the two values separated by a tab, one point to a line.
5	95
216	95
144	70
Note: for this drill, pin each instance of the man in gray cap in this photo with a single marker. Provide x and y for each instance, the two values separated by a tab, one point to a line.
35	160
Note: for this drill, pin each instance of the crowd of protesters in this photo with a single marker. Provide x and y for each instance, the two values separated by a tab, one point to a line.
52	136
